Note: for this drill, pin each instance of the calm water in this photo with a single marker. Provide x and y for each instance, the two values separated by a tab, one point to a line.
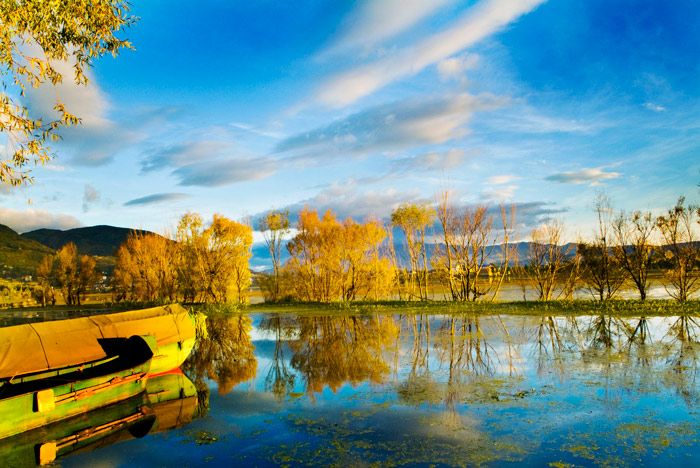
432	391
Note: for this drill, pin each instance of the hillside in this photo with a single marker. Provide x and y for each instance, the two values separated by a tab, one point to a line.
102	241
19	256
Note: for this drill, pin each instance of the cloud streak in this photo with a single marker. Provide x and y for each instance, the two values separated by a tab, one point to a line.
156	198
226	171
583	176
394	126
374	22
479	22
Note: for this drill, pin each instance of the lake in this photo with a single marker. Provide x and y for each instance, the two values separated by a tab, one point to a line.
377	390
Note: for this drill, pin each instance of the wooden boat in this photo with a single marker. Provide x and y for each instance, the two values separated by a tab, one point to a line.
172	325
55	381
169	402
74	341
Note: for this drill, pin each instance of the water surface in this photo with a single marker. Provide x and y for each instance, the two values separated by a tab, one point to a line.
433	391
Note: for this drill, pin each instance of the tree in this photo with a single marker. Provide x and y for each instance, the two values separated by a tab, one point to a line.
213	262
43	277
601	272
414	219
547	259
73	274
274	226
681	249
144	269
634	249
36	37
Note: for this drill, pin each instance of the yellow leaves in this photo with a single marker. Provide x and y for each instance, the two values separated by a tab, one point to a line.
79	30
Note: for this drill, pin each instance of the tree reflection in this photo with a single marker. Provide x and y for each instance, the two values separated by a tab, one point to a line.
279	379
330	351
225	354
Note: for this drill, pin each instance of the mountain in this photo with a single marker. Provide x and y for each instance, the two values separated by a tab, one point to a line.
19	256
102	241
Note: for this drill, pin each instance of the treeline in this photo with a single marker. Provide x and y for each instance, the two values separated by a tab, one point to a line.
452	251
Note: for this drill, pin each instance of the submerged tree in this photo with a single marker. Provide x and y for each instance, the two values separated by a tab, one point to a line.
38	41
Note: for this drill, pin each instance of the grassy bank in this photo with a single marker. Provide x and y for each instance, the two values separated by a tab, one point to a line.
620	308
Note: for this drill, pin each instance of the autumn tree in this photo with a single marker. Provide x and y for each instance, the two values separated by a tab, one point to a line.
275	226
73	274
144	269
332	260
414	219
213	263
677	228
601	271
634	250
37	39
45	291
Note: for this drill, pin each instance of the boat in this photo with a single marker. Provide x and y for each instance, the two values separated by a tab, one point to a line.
172	325
72	341
169	402
55	380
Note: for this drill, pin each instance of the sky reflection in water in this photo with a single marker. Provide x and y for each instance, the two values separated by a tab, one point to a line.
419	390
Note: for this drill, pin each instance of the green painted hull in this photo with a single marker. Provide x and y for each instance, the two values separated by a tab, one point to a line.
27	402
171	356
169	402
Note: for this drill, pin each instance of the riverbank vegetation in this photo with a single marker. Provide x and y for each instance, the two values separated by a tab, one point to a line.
439	251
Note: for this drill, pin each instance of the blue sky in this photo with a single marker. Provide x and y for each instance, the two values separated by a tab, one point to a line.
239	107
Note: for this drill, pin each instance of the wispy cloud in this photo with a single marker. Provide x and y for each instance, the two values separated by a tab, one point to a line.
504	192
433	161
185	153
90	196
479	22
228	171
502	179
156	198
454	67
29	220
393	126
346	201
373	22
583	176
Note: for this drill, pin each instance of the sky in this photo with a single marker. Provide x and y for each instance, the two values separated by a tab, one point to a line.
239	107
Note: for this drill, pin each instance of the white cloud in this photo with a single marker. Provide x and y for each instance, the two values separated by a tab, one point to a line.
583	176
479	22
344	200
434	160
90	196
375	21
502	179
393	126
654	107
454	67
219	172
499	193
184	154
29	220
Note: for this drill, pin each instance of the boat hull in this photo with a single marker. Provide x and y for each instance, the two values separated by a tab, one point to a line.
31	403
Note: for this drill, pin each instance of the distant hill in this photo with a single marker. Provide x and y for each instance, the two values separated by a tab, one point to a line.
19	256
95	240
